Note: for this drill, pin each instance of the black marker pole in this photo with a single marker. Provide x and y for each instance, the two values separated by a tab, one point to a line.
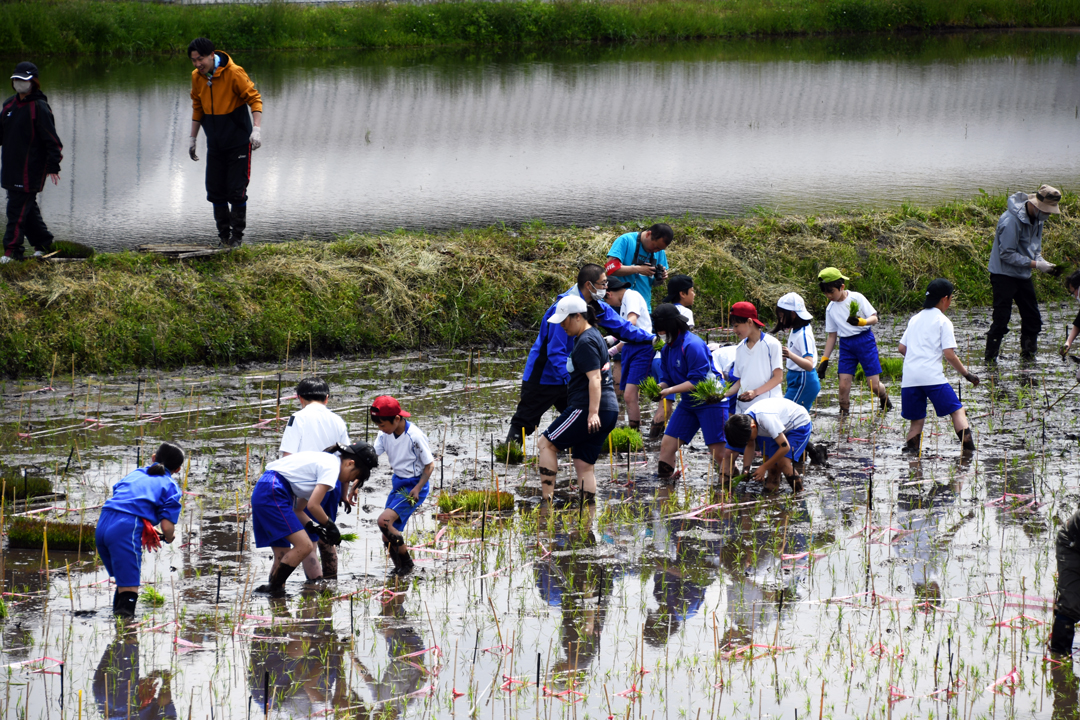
266	693
218	600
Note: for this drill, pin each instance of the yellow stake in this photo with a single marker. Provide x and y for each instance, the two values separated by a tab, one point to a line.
524	455
80	705
45	546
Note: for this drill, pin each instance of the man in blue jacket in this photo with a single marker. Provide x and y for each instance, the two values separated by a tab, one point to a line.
543	383
31	152
1016	252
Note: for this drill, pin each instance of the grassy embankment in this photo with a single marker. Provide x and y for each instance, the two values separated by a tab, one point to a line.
96	27
364	292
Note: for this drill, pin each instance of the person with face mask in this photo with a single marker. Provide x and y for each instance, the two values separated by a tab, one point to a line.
1017	250
221	93
31	152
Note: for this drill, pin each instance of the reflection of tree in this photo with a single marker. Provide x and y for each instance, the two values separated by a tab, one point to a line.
920	508
401	676
566	580
119	691
304	662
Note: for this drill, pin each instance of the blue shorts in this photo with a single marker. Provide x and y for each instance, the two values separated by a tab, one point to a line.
636	363
329	504
689	418
913	401
571	430
119	544
859	350
803	387
399	499
797	439
272	516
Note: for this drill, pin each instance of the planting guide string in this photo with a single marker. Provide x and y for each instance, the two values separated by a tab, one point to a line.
885	533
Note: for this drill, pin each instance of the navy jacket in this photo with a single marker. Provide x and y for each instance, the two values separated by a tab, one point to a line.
31	148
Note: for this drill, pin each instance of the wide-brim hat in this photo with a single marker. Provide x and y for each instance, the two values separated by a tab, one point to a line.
1046	198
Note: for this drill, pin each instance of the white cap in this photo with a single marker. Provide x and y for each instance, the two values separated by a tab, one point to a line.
568	306
794	303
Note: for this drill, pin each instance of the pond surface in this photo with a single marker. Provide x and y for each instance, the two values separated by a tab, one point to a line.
376	141
892	586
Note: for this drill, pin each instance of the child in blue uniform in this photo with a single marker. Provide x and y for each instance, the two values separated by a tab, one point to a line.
143	498
412	463
292	485
685	360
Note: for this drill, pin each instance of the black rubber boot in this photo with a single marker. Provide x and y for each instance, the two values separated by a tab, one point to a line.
1061	635
400	555
1029	346
912	446
124	604
795	482
993	347
238	221
886	403
276	586
656	430
966	439
388	546
221	219
663	470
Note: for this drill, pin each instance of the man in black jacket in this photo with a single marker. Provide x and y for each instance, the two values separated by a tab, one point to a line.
31	151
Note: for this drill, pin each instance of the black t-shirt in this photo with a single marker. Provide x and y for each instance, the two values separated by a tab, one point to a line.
589	353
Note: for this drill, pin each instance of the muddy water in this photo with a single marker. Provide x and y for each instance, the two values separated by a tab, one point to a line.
376	141
889	581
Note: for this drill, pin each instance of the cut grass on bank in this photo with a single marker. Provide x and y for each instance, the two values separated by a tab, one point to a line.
362	293
98	27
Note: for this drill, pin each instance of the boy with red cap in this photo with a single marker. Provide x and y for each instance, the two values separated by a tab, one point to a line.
412	463
759	361
848	319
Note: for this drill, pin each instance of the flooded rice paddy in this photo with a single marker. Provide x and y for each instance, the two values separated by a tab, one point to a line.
891	587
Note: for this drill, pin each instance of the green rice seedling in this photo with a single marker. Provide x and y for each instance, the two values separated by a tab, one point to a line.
3	608
891	367
349	537
650	389
657	344
475	501
30	533
152	597
16	487
509	453
853	308
69	249
709	390
624	439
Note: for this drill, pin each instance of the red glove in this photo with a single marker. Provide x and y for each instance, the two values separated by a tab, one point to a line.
150	538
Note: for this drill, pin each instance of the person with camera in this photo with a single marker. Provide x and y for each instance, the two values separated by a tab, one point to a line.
639	258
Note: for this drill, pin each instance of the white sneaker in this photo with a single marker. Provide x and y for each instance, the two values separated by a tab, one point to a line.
4	259
39	253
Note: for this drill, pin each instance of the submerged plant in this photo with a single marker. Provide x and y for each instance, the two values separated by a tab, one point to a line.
476	500
624	439
30	533
649	389
709	390
509	452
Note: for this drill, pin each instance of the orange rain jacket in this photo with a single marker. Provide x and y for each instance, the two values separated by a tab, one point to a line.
220	104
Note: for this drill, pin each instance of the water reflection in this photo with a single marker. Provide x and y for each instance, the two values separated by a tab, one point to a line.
382	140
121	691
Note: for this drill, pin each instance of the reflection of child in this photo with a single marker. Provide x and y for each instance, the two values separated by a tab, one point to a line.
786	428
1067	599
857	343
314	429
927	339
412	463
143	498
119	691
803	384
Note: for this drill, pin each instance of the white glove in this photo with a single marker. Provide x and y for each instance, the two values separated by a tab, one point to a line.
191	148
256	138
1043	265
610	340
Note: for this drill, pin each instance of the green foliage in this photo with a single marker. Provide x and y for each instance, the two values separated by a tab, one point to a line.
70	249
709	390
349	537
476	501
3	608
649	389
26	532
623	439
853	308
151	596
18	488
98	27
891	368
513	451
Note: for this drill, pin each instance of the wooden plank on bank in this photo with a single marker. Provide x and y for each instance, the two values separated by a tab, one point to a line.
181	252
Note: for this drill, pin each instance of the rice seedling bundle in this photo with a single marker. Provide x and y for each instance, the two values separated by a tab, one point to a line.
624	439
509	453
891	367
709	390
475	501
649	389
30	533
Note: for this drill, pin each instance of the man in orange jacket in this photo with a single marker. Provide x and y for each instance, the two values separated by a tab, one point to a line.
221	93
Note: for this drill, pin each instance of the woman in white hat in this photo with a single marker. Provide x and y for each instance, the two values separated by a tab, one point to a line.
803	384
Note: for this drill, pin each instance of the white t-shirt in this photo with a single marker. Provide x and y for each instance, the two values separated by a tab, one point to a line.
305	470
723	359
632	302
754	367
315	428
686	313
836	315
801	344
408	454
778	415
928	335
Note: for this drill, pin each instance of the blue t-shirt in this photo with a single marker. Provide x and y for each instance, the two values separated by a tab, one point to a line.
629	251
687	358
589	353
153	497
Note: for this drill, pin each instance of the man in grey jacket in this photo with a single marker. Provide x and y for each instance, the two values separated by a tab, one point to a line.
1016	252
